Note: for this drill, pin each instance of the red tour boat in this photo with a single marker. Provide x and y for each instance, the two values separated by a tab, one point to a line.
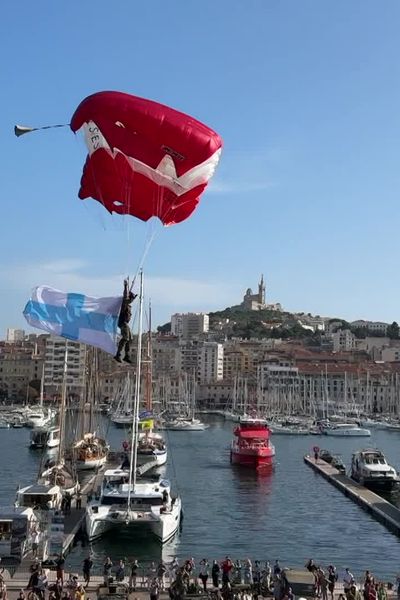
251	445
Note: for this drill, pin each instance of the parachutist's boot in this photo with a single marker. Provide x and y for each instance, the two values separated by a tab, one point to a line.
127	357
121	345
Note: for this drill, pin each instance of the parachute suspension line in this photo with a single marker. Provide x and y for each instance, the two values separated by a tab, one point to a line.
147	246
22	129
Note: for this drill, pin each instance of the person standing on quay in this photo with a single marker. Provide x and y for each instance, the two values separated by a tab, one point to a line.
133	575
161	570
120	573
323	583
203	574
227	567
215	570
348	581
248	572
107	567
60	566
332	578
35	542
87	568
154	589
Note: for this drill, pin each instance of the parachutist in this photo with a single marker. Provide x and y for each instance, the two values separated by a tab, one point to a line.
125	315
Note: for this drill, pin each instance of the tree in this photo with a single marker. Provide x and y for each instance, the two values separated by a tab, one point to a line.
393	331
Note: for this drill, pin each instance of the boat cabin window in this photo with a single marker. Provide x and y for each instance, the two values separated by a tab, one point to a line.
374	460
41	501
114	482
39	436
5	530
135	502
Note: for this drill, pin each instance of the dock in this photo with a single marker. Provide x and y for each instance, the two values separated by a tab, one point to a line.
68	526
375	505
74	521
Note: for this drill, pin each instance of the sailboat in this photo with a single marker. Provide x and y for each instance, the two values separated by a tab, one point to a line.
188	421
57	472
123	415
89	451
151	445
38	416
124	502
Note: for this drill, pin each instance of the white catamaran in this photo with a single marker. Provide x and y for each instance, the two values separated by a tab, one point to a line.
129	504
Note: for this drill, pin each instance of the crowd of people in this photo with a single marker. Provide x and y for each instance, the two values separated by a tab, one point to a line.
225	579
366	589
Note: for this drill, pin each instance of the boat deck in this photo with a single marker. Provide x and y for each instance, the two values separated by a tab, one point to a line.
378	507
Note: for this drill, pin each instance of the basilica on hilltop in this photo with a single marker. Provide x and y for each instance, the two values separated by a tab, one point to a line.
257	301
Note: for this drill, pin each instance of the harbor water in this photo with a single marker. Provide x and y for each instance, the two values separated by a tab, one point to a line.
291	514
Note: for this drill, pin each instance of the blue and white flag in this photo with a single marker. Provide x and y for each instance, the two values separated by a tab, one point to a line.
77	317
145	414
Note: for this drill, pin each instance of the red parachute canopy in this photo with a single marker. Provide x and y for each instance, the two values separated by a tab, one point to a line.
145	159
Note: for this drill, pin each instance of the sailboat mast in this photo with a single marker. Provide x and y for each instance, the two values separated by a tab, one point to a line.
135	421
63	407
41	397
149	369
92	396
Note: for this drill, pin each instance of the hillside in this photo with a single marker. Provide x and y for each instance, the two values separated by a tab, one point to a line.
235	322
257	324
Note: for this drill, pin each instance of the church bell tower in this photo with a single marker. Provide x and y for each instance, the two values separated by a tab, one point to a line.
261	291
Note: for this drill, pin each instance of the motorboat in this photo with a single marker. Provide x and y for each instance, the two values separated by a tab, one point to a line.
325	455
279	429
373	424
4	424
338	464
39	496
17	527
185	425
250	419
370	468
39	418
251	446
143	505
346	430
392	426
45	438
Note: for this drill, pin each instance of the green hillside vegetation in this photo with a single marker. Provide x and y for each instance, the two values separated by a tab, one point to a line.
238	323
258	324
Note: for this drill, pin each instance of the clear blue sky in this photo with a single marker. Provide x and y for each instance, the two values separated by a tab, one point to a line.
306	96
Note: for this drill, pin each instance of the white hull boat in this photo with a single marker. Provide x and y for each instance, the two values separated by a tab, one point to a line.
151	447
185	425
45	438
347	430
90	452
151	507
122	420
39	419
286	430
370	468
